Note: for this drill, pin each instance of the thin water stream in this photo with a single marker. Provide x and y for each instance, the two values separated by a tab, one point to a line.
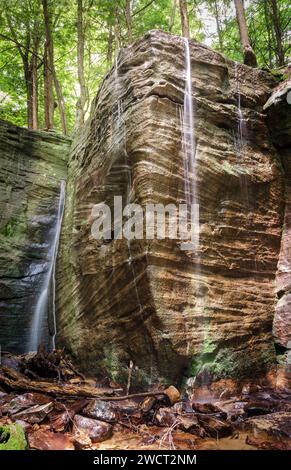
45	305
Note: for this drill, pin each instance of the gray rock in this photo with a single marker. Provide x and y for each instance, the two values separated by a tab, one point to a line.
97	431
101	410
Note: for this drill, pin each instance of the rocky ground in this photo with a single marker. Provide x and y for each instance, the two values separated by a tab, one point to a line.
46	404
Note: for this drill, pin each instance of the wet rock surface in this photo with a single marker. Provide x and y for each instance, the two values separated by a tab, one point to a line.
97	431
27	400
167	310
100	410
47	440
32	165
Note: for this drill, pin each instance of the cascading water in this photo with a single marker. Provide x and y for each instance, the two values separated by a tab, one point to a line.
189	154
189	147
240	144
46	302
240	137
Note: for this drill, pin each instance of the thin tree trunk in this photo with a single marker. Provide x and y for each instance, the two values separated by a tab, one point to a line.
218	26
81	103
184	18
173	16
34	76
32	94
278	33
128	18
61	103
28	84
117	33
249	55
51	67
48	91
109	56
269	33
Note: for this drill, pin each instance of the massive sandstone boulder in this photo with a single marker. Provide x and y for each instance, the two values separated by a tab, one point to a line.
174	312
32	165
279	119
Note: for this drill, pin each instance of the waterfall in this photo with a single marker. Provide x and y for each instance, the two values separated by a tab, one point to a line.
240	137
189	154
240	144
46	301
189	147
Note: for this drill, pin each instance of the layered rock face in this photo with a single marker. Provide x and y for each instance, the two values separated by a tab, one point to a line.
279	119
32	165
173	312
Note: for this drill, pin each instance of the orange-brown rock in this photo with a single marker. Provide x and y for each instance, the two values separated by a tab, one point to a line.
147	301
279	118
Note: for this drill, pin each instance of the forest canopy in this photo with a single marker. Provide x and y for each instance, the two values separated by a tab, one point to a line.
54	53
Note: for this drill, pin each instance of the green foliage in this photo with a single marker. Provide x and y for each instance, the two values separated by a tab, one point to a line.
12	437
261	29
105	31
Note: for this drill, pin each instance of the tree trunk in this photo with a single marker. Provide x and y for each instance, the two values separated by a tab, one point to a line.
81	103
117	29
184	18
278	33
109	55
30	76
269	33
48	91
218	26
249	55
28	85
128	18
51	67
34	77
173	16
34	94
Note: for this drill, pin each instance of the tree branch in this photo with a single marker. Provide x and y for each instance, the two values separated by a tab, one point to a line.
143	8
19	45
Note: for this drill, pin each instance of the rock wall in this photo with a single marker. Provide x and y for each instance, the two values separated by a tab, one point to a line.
279	119
171	312
31	167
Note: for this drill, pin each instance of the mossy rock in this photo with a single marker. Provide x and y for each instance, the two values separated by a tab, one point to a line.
12	437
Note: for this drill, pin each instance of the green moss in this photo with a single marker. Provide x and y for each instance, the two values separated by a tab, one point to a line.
15	228
112	363
229	363
12	437
278	74
117	368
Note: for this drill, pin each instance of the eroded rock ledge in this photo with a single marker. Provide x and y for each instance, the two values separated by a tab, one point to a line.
163	311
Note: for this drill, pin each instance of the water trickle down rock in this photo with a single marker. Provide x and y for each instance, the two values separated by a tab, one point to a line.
220	316
45	306
32	164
